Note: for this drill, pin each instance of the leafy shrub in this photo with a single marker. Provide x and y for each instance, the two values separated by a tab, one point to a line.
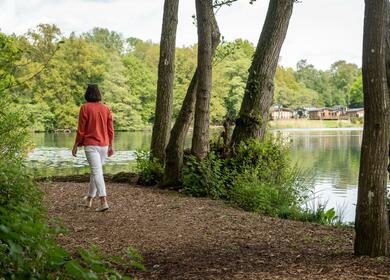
27	246
265	181
150	169
24	238
268	160
203	178
319	215
90	264
252	194
258	177
13	132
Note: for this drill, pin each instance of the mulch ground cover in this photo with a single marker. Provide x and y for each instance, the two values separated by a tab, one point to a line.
197	238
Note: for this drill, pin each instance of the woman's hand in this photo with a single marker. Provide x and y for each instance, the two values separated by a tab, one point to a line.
110	151
74	150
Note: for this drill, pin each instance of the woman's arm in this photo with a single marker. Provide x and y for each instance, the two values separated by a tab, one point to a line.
110	128
80	131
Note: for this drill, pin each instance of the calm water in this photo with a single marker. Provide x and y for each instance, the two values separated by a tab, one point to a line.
332	154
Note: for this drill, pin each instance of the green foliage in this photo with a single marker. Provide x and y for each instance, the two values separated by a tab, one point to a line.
291	93
252	194
13	131
356	93
150	169
229	79
110	40
9	54
91	264
264	180
126	71
332	86
267	159
318	215
259	177
203	178
27	243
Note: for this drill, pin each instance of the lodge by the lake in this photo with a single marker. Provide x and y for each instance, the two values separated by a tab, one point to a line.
278	113
282	114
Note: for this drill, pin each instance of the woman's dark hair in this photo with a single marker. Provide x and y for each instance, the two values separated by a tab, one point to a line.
92	93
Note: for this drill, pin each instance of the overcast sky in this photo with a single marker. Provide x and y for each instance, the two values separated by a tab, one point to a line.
321	31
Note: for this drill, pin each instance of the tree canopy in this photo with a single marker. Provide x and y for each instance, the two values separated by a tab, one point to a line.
126	71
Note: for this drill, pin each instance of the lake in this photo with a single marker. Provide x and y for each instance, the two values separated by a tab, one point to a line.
331	154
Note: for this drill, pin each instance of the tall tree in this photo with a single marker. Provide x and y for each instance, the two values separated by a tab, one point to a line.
110	40
166	70
371	224
343	76
387	44
200	140
356	93
175	147
258	97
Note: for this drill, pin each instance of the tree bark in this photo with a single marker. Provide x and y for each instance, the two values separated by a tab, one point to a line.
200	139
387	44
175	147
259	91
387	61
371	224
166	70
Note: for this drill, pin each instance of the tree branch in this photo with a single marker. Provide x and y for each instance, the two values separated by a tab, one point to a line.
220	3
46	64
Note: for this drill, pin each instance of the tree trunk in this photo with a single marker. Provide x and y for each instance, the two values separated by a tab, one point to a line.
371	224
200	139
387	61
387	43
175	147
166	70
259	91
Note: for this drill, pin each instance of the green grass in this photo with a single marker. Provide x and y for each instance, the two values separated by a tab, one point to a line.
313	124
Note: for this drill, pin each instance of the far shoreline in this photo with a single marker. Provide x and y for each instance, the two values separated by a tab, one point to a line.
273	125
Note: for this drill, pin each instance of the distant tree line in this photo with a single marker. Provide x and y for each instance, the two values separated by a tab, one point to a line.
126	71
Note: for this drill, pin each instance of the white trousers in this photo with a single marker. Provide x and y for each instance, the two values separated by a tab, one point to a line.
96	156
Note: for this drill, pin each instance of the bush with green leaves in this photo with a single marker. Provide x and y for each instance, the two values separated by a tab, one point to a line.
27	244
258	177
318	214
203	178
150	170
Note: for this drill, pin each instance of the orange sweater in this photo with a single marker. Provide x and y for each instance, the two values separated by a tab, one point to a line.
95	125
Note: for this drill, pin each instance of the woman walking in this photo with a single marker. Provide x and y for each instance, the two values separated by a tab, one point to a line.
95	132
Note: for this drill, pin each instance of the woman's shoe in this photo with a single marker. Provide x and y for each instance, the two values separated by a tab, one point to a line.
102	208
86	202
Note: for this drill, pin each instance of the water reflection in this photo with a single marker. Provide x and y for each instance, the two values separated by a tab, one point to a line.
47	161
124	141
332	154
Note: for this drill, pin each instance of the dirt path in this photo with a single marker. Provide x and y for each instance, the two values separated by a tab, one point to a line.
192	238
